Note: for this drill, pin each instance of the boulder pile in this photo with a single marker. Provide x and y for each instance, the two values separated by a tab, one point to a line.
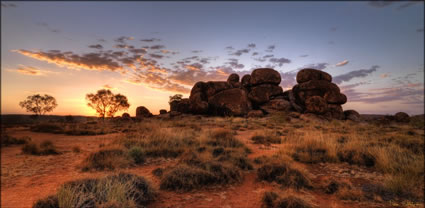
259	93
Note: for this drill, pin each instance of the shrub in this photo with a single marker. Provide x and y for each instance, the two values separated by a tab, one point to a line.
48	202
186	178
7	140
121	190
283	174
109	159
273	200
30	148
48	128
223	138
356	156
137	155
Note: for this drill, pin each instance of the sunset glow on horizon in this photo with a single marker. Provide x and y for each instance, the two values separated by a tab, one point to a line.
149	51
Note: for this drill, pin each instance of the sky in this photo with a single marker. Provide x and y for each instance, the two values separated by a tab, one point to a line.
149	51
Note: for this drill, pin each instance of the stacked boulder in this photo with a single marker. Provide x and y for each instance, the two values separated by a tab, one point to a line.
315	93
259	93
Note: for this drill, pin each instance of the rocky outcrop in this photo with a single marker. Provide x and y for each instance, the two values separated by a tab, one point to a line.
402	117
259	93
352	115
143	112
125	115
162	111
315	93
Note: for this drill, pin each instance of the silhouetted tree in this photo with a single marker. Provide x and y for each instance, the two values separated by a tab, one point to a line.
39	104
176	97
106	103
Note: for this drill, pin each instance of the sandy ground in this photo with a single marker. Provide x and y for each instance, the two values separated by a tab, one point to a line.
26	178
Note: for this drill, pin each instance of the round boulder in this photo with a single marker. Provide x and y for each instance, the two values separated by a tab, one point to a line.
262	93
255	113
333	97
312	74
265	76
276	105
126	115
232	102
402	117
246	81
352	115
233	78
316	104
335	111
142	112
162	111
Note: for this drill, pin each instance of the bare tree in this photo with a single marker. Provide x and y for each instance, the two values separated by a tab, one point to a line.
39	104
106	103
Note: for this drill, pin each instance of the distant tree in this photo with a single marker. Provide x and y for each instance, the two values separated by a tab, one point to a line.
106	103
39	104
176	97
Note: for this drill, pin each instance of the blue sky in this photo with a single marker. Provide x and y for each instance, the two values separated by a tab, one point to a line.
374	51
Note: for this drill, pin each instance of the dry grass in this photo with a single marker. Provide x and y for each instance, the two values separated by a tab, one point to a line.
287	200
45	148
121	190
106	159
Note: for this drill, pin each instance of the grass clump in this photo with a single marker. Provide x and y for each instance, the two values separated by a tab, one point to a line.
186	178
121	190
266	138
273	200
284	174
223	138
7	140
106	159
48	202
45	148
137	155
47	128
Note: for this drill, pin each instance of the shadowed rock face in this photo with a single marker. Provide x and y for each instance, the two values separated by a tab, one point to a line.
402	117
142	112
352	115
265	76
306	75
259	93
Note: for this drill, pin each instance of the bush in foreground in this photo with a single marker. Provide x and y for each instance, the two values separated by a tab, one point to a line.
121	190
45	148
273	200
106	159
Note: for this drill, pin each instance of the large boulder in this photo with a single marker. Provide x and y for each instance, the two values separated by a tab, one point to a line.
265	76
276	105
311	88
126	115
231	102
162	111
142	112
352	115
335	111
255	113
402	117
233	80
198	105
182	106
293	102
246	81
333	97
306	75
316	105
213	88
263	93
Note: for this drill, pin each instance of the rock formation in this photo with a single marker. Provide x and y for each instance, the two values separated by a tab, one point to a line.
142	112
259	93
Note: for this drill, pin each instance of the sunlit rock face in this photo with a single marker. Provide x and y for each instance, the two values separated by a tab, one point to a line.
260	92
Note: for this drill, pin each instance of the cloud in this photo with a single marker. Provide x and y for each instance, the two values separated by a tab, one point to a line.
342	63
331	42
196	51
254	54
318	66
380	4
234	63
157	56
150	40
157	47
303	56
333	29
101	40
8	5
240	52
122	39
96	46
89	61
420	30
407	4
229	48
270	48
45	25
384	75
354	74
251	45
32	71
109	87
280	61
